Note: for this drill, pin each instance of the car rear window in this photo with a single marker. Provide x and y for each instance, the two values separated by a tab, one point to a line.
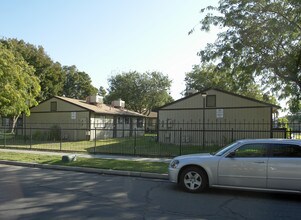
285	150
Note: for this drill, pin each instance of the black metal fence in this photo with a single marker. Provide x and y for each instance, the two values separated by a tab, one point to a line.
166	141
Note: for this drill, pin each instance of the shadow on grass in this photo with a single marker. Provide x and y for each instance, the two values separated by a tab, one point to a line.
140	146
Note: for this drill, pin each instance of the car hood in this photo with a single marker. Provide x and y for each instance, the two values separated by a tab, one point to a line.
191	156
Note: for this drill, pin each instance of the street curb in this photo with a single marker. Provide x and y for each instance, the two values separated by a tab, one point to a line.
88	170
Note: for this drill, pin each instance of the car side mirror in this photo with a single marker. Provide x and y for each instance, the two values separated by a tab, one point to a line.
231	154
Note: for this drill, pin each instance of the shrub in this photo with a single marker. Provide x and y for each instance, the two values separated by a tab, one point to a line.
38	136
55	133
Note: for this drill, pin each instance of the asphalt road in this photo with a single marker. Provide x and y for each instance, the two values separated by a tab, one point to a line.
33	193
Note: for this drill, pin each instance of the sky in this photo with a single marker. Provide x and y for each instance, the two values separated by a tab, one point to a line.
107	37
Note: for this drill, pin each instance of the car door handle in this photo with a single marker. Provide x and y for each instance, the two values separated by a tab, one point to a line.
258	162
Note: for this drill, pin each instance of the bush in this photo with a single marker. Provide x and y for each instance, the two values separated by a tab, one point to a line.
38	136
55	133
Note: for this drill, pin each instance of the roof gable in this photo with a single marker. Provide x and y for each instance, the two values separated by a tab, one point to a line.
224	99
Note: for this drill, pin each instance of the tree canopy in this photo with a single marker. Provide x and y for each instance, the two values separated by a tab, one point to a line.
19	85
101	91
141	92
53	78
262	39
50	74
78	84
208	76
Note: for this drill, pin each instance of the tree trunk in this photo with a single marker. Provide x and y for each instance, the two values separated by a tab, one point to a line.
15	119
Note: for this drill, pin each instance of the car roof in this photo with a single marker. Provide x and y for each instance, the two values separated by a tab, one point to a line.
271	140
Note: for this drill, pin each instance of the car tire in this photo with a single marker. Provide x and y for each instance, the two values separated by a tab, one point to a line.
193	179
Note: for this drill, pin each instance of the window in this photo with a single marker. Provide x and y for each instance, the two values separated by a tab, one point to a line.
285	150
251	150
127	120
140	123
120	120
53	106
100	122
169	123
211	101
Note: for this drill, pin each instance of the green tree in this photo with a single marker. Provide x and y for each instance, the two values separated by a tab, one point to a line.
50	73
141	92
208	76
262	38
294	119
78	84
19	85
101	91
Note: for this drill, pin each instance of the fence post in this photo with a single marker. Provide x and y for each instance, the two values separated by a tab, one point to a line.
232	135
30	135
135	140
203	138
60	139
95	140
4	134
180	141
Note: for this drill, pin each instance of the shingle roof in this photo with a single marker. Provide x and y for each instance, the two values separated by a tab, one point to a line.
100	108
152	115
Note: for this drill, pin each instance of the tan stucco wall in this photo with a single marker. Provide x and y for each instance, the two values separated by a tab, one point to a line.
43	121
237	113
67	116
240	116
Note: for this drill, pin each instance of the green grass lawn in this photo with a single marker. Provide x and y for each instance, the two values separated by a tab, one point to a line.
144	146
151	167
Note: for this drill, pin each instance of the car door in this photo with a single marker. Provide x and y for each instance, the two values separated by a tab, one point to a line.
284	167
244	167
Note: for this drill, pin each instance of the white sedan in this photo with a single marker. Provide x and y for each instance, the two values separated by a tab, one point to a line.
258	164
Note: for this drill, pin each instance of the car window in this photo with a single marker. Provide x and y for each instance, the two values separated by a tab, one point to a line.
285	150
251	150
225	149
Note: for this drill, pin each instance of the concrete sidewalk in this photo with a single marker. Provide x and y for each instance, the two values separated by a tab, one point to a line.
90	170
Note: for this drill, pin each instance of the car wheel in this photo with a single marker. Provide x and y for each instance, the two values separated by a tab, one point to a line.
193	179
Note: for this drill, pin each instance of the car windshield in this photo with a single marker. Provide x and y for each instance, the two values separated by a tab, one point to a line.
225	149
